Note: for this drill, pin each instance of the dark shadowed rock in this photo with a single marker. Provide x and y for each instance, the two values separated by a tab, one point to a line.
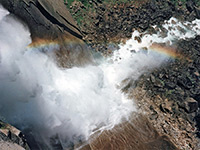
191	105
197	11
190	5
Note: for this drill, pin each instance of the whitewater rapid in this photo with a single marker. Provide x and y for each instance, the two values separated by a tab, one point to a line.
73	103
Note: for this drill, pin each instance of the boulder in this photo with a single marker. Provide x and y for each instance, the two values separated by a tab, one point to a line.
197	11
190	5
190	105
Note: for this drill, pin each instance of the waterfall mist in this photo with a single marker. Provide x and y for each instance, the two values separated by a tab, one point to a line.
37	95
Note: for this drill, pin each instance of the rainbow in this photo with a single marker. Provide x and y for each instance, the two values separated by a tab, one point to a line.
164	50
168	51
41	43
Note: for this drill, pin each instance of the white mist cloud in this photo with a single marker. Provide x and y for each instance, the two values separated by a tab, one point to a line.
72	103
36	94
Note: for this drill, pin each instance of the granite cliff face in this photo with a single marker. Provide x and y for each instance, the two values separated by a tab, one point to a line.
45	18
50	21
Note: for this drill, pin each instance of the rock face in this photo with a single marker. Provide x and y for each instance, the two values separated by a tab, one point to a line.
45	18
50	21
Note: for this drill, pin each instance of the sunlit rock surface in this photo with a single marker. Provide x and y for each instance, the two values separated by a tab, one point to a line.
136	134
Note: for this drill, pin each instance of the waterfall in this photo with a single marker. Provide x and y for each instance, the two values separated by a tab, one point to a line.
73	103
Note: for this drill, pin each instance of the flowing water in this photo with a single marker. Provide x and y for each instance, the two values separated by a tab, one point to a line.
40	98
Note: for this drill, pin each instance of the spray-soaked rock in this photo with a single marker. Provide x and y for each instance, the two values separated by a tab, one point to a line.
197	11
190	5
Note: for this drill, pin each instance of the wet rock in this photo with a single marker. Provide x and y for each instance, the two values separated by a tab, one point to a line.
12	138
159	83
144	25
195	93
191	16
197	11
170	85
190	5
184	81
197	118
152	78
190	105
56	143
125	18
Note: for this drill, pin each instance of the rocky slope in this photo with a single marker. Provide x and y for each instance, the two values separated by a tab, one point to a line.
169	96
112	23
